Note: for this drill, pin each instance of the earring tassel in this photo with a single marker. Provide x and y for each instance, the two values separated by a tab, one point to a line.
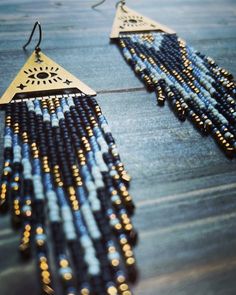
63	180
193	84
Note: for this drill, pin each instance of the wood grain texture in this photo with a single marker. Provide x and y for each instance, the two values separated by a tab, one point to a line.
183	185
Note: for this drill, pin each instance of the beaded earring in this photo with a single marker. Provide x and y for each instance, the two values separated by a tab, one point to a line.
63	180
193	84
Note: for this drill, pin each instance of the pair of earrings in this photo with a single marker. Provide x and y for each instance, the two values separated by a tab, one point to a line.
62	174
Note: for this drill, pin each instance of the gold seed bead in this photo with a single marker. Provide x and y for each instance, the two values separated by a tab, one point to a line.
132	51
84	291
112	291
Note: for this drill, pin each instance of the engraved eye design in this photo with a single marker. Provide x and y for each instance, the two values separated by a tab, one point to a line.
42	75
132	21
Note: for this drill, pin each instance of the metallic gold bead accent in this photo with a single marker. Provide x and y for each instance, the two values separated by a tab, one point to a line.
78	181
67	276
71	190
45	273
28	227
90	133
114	192
123	241
46	281
126	247
73	198
44	266
115	262
123	287
112	291
116	176
125	194
117	202
5	173
118	226
120	279
111	249
64	263
39	230
84	291
128	253
48	290
128	227
40	242
130	261
16	178
132	51
16	205
15	187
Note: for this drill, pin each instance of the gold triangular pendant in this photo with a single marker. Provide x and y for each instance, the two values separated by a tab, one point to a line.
41	76
128	20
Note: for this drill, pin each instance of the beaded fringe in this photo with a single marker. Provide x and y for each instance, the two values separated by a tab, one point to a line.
194	85
63	178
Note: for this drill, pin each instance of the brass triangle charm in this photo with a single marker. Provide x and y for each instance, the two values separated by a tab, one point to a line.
128	21
41	76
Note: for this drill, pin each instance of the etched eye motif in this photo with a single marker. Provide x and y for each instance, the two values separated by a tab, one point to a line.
42	75
131	21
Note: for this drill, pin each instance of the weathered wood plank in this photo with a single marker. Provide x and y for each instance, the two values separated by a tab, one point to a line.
183	185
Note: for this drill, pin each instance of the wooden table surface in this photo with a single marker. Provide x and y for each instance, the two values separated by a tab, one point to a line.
183	185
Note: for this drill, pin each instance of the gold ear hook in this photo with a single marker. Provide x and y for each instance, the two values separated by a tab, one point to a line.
37	48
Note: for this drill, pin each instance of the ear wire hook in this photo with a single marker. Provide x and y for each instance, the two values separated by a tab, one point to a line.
121	2
37	48
98	4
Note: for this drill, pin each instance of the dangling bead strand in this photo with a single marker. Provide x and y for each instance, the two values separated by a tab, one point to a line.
67	217
27	197
8	156
193	84
98	243
16	170
40	234
66	169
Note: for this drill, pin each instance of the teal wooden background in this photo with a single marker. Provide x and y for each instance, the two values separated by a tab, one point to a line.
183	186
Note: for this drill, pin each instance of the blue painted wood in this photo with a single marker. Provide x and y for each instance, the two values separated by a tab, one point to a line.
183	185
